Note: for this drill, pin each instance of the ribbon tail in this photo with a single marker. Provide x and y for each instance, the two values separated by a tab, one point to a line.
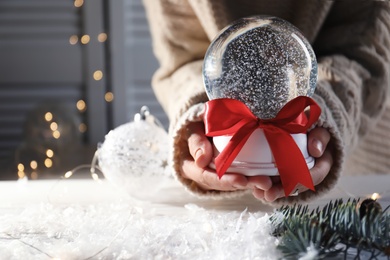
231	150
291	164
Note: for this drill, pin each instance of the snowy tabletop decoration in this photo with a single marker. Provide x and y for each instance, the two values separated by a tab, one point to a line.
88	219
263	70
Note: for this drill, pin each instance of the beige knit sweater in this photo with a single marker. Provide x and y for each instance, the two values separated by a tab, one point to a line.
352	43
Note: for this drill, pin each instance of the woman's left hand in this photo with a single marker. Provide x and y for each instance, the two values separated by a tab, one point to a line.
318	140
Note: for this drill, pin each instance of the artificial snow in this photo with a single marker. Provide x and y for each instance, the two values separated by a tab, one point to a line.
87	219
121	231
177	227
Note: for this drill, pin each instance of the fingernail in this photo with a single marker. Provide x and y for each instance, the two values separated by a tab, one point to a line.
260	188
318	145
264	187
198	153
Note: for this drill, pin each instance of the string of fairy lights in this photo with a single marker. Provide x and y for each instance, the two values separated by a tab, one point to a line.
31	169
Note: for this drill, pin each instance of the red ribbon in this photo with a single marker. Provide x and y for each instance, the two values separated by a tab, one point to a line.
232	117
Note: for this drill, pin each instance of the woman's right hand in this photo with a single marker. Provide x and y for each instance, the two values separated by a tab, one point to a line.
195	166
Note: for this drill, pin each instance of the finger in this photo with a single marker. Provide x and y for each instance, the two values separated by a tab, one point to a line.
271	190
199	145
261	182
258	194
318	173
209	180
274	193
318	139
322	167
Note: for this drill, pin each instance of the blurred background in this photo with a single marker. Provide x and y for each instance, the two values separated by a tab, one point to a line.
70	70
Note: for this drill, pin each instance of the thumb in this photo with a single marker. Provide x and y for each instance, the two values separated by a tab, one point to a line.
318	139
199	145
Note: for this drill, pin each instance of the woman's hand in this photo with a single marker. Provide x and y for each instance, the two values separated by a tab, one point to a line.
195	167
318	147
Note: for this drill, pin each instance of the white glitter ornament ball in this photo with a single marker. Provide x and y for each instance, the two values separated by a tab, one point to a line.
262	61
133	156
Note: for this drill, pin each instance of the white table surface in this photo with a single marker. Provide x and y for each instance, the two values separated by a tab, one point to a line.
171	197
25	204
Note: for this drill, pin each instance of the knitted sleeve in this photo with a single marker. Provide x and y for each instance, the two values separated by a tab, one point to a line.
354	64
179	43
353	77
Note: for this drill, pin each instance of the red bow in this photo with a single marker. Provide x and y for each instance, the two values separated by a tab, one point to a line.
231	117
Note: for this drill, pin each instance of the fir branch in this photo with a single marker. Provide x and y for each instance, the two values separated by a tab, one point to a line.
333	229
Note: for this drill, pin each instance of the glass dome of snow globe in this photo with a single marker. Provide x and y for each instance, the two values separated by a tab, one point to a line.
262	61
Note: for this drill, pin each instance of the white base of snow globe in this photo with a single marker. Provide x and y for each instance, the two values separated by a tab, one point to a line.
255	157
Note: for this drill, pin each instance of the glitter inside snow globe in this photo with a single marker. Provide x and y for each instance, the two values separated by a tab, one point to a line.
264	62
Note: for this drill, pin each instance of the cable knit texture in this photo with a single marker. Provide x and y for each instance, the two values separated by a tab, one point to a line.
351	40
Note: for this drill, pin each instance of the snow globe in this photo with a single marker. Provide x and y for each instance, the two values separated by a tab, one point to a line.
264	62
